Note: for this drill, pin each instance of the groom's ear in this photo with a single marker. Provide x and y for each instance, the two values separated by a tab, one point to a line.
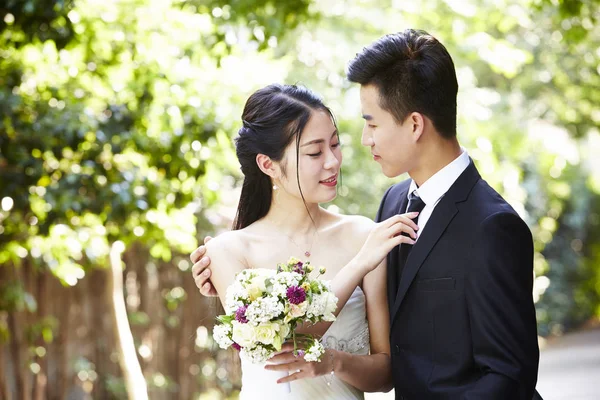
266	165
417	123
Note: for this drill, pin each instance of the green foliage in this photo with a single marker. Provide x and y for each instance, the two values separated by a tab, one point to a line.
528	115
118	120
260	22
14	298
44	329
106	140
36	19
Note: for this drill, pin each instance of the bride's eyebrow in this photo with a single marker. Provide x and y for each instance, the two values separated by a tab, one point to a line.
316	141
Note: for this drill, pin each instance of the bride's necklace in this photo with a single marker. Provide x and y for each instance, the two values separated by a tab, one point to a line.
307	253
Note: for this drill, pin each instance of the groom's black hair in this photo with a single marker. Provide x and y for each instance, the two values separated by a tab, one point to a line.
413	72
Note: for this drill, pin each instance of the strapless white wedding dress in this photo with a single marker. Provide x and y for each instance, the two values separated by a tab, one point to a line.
349	333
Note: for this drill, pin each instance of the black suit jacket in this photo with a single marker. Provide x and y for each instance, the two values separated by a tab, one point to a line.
463	322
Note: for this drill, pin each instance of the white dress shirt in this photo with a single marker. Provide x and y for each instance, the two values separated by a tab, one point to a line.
434	188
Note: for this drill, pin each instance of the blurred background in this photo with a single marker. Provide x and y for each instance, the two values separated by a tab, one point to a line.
116	159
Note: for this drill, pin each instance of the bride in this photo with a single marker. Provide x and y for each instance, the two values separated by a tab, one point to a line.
290	155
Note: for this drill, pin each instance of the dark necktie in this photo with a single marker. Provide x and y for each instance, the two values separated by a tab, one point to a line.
415	204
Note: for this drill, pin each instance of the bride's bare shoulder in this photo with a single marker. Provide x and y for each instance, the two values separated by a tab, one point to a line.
356	226
226	253
228	246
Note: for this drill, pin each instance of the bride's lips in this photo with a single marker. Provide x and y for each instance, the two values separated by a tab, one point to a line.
331	181
375	157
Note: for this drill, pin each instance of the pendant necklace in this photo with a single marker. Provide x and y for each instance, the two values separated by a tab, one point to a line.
307	253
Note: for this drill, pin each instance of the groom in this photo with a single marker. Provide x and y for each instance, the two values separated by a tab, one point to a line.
462	316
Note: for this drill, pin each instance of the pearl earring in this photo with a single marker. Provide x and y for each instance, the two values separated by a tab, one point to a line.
275	187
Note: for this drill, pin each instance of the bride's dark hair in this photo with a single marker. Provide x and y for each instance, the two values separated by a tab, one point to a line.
273	116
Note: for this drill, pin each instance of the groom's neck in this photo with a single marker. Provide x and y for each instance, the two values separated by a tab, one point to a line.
435	153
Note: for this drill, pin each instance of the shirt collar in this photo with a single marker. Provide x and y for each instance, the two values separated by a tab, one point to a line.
437	186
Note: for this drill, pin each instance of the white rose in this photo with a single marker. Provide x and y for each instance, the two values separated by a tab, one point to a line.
298	310
256	287
266	332
284	331
243	334
330	306
259	281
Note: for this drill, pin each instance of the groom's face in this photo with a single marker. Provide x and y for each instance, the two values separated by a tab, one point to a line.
392	144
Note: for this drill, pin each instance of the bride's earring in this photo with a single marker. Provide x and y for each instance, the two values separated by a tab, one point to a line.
275	187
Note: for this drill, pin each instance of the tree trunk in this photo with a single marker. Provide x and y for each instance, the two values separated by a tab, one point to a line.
17	321
41	379
4	357
130	366
100	335
3	376
62	344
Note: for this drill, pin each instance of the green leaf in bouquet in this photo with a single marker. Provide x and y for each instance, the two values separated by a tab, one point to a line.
309	296
225	319
315	287
277	343
269	285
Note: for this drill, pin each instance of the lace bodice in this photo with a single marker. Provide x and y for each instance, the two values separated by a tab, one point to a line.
353	345
349	333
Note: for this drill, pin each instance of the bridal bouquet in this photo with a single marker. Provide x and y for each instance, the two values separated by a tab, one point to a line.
264	307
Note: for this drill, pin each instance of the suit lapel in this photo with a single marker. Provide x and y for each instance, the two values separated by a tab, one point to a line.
392	258
442	215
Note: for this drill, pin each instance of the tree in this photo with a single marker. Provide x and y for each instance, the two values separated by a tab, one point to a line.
109	121
117	128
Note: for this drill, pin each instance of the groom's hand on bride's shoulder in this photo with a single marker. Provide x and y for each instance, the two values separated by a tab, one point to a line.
201	270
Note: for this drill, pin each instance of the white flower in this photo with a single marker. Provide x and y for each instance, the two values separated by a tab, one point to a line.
244	276
263	272
264	309
284	330
296	311
314	352
221	335
256	287
279	289
235	296
288	278
330	306
266	332
256	355
323	306
243	334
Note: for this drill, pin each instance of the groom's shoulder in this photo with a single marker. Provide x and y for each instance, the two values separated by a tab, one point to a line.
487	201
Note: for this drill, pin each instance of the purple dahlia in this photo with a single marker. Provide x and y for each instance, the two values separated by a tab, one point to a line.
240	315
296	294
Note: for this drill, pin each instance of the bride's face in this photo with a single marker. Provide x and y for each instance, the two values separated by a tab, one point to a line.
318	164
